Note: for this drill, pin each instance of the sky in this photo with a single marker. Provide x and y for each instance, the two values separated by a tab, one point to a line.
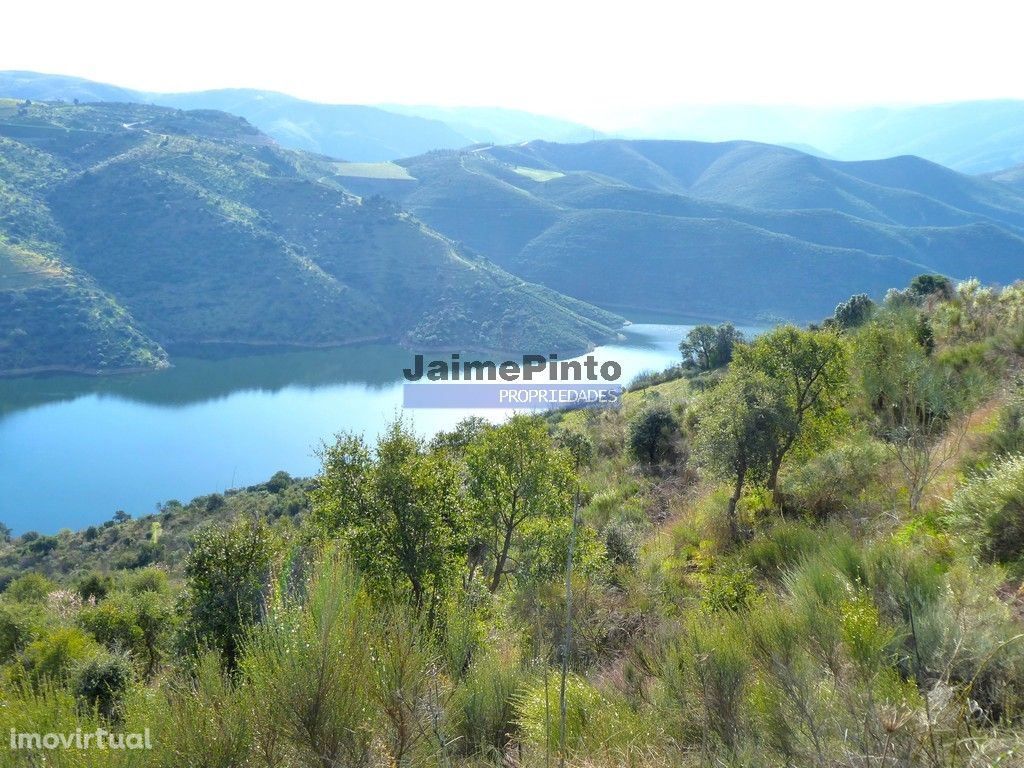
597	62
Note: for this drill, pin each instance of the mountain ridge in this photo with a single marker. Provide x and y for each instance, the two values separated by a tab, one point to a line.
190	227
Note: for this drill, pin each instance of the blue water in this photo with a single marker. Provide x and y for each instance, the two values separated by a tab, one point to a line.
74	450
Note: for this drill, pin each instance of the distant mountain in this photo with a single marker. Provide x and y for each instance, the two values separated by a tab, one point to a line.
494	125
733	230
348	131
1012	177
127	229
39	87
969	136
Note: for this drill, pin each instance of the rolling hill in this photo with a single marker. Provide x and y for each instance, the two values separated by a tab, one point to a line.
734	230
353	132
969	136
128	229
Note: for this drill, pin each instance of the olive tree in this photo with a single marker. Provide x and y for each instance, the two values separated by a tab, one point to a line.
738	424
516	475
810	370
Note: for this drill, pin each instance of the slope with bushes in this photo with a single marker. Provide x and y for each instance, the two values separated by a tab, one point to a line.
754	561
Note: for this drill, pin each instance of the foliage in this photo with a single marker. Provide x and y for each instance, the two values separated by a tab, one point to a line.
483	706
738	427
988	510
707	347
227	575
310	663
854	312
653	436
810	369
400	510
102	682
516	475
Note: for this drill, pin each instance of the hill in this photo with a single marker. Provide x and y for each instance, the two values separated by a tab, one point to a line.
494	125
970	136
127	229
670	225
353	132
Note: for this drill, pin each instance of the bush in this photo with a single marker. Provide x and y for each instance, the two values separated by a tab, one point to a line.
137	624
988	511
654	437
54	656
781	547
30	588
20	624
310	664
206	719
706	675
227	573
597	723
95	586
102	682
834	481
482	710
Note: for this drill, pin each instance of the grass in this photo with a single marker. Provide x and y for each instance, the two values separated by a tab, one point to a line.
538	174
373	171
20	269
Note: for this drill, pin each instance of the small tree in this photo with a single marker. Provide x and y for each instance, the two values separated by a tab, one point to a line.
854	312
738	424
516	474
707	347
651	436
226	574
913	398
400	509
809	367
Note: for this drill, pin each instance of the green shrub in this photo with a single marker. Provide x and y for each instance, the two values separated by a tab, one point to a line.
149	579
781	547
482	710
20	623
836	480
227	575
205	719
30	588
54	656
102	682
706	674
462	636
310	665
138	624
988	511
654	437
94	586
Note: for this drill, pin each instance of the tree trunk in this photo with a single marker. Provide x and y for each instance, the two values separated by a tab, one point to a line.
499	566
734	527
773	483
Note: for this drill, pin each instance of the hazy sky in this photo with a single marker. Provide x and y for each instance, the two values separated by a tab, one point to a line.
598	62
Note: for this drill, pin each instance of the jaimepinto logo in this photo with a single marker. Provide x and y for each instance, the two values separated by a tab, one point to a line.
533	382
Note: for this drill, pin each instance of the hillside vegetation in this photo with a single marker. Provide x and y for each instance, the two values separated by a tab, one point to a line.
146	227
667	226
801	549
